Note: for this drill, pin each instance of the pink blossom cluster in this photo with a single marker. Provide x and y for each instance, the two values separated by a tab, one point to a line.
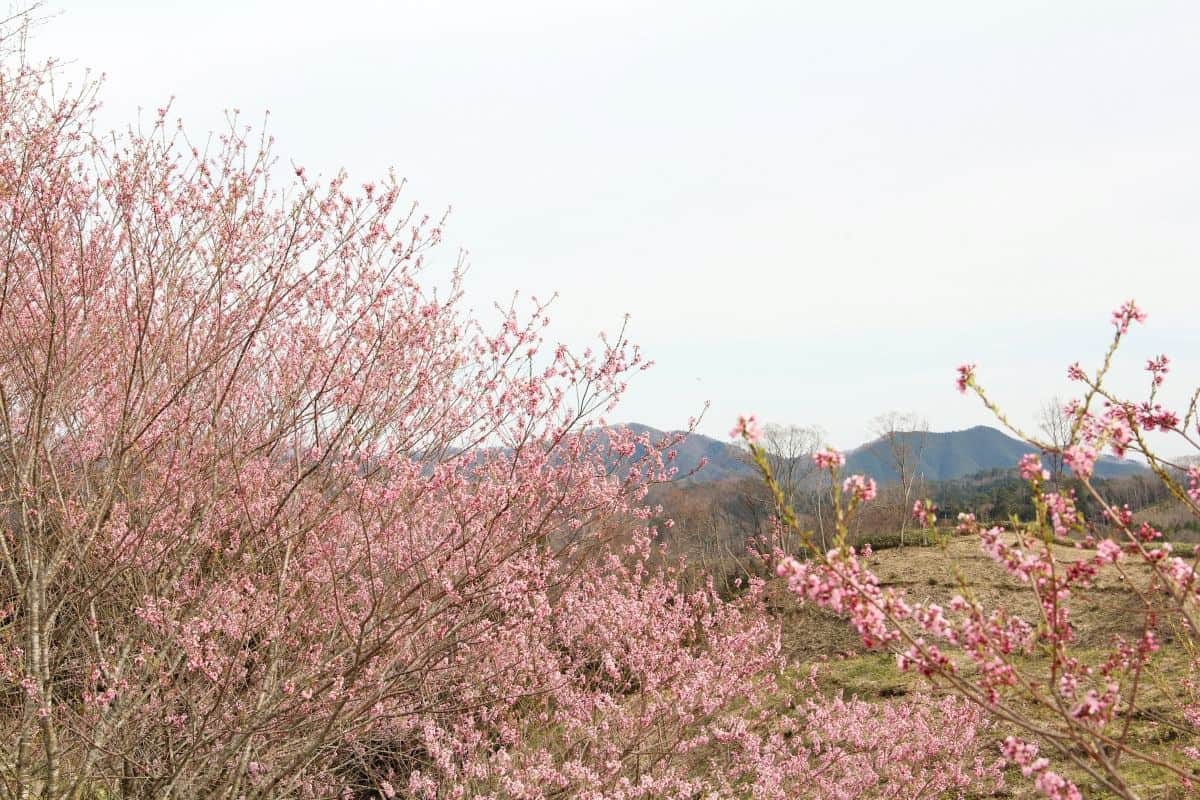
1127	313
861	488
843	584
1182	576
1122	516
1031	468
925	513
1158	368
1081	458
941	751
1152	416
1049	783
1114	427
1063	512
966	374
747	427
829	459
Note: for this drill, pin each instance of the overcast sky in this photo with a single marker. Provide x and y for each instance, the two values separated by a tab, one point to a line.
811	210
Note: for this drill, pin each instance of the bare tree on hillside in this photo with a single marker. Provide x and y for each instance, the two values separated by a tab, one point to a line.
711	529
904	433
1055	423
789	450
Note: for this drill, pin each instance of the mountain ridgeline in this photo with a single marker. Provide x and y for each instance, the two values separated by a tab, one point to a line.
944	456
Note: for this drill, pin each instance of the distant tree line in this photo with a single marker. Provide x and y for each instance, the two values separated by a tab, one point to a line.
721	526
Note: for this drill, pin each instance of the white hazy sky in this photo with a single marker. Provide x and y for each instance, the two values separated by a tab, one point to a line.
811	210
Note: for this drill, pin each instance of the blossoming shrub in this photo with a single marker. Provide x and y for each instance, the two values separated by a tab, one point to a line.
1065	701
278	519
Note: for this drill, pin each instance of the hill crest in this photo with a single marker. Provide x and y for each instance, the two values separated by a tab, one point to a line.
945	455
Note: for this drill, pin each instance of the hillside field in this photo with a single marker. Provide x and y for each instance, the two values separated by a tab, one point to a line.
815	636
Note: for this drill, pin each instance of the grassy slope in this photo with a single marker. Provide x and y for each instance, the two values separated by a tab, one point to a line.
812	635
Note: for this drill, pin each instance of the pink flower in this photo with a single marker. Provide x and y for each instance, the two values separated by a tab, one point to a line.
1108	550
925	512
1064	514
747	427
966	374
1158	367
1056	787
1016	751
1081	458
1031	468
1155	416
861	487
829	459
1126	314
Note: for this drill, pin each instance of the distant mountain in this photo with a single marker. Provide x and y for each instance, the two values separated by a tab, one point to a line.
724	459
956	454
945	456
